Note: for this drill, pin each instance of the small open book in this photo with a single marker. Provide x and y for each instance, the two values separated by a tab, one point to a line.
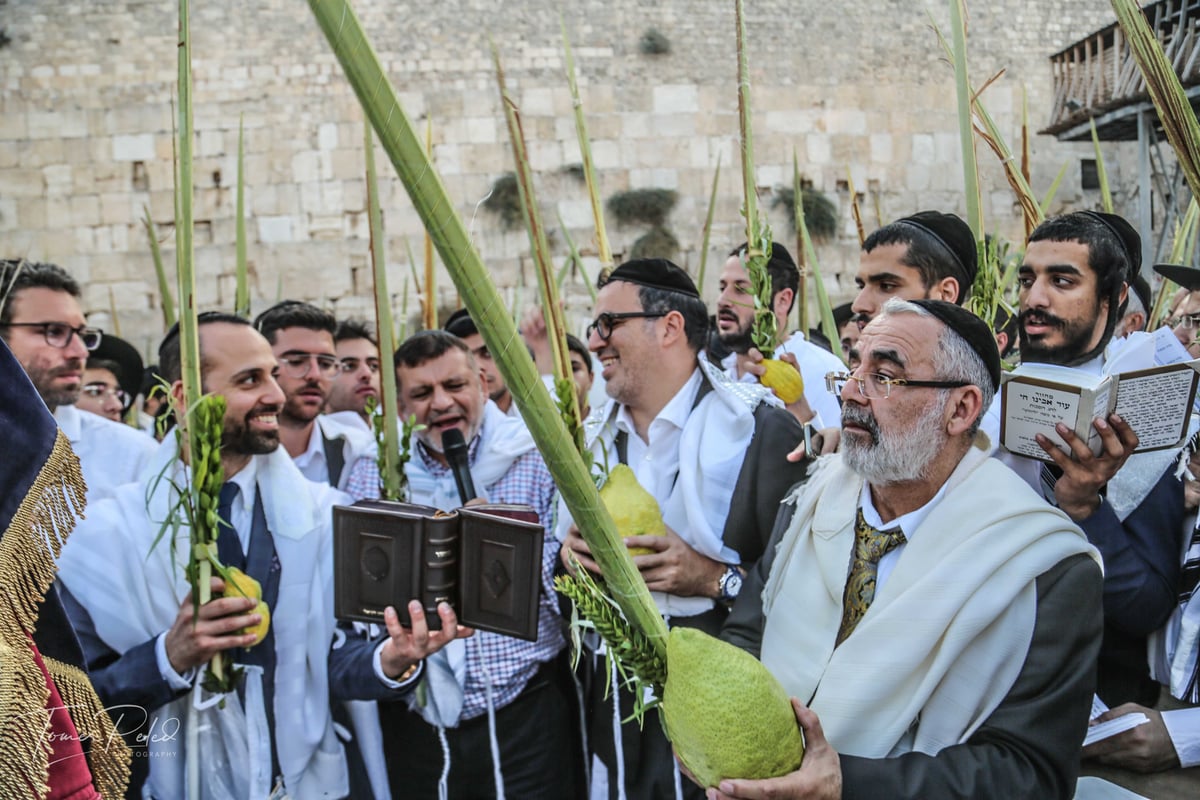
1155	402
484	560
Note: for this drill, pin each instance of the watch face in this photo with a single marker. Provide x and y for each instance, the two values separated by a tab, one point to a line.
731	584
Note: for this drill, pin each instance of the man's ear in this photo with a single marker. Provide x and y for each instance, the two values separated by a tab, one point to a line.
673	328
947	289
782	304
966	405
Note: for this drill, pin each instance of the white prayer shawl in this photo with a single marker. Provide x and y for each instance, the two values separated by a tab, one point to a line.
502	440
947	634
133	592
712	448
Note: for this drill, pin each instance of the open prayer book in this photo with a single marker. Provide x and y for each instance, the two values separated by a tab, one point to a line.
484	560
1155	399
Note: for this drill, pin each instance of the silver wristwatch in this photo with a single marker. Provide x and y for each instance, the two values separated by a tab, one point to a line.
729	584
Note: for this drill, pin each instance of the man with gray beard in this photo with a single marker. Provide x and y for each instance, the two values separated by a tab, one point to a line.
939	618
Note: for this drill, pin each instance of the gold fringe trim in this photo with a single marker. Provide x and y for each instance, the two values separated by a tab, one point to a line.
28	551
108	755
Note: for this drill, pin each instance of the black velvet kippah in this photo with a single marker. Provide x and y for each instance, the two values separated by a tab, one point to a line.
460	324
657	273
1187	277
955	235
972	329
1127	237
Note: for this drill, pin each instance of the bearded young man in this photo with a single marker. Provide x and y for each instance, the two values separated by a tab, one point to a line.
1073	282
130	602
44	326
955	656
735	316
325	450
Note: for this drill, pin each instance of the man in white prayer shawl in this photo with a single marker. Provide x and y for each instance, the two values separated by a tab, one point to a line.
935	621
127	595
712	452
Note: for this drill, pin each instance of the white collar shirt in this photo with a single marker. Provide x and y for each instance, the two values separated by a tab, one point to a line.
655	460
908	523
111	454
242	513
312	462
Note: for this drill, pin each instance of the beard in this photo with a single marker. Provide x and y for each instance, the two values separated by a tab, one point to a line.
240	439
738	341
1076	336
895	458
295	409
43	377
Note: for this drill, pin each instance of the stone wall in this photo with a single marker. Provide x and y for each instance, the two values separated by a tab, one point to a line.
855	88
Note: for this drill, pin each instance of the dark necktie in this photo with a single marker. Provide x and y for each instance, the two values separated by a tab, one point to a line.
229	547
870	545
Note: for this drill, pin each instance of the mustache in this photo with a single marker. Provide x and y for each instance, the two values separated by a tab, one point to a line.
860	416
1030	315
73	365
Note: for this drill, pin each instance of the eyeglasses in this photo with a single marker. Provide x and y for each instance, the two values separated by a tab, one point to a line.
98	391
605	323
350	365
875	386
58	334
298	365
1187	321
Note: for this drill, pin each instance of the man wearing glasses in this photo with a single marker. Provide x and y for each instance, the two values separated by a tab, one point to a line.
325	450
712	453
43	324
935	622
358	380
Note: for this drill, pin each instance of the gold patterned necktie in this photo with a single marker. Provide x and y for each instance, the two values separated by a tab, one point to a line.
870	545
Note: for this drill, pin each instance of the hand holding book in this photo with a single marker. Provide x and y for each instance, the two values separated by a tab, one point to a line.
406	647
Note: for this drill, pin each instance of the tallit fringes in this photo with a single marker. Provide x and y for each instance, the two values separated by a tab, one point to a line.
109	757
37	533
24	723
28	550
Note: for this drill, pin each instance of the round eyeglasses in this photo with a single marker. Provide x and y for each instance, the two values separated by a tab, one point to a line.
875	386
299	365
58	334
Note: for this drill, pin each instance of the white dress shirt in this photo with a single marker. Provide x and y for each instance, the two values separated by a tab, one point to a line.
110	453
907	523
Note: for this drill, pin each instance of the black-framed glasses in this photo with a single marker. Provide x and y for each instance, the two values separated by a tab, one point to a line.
299	365
351	364
98	391
604	324
875	386
58	334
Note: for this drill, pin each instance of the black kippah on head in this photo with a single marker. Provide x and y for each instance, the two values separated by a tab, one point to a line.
1127	238
953	234
657	273
972	329
460	324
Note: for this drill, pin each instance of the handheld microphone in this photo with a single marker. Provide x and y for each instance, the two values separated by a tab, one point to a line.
454	447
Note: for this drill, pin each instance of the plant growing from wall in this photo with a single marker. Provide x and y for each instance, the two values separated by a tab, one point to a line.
505	201
649	207
654	43
819	211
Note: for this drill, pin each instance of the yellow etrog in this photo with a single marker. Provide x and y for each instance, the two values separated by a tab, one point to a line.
725	713
633	509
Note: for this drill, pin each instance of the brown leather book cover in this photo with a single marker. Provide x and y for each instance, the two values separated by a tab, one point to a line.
485	560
